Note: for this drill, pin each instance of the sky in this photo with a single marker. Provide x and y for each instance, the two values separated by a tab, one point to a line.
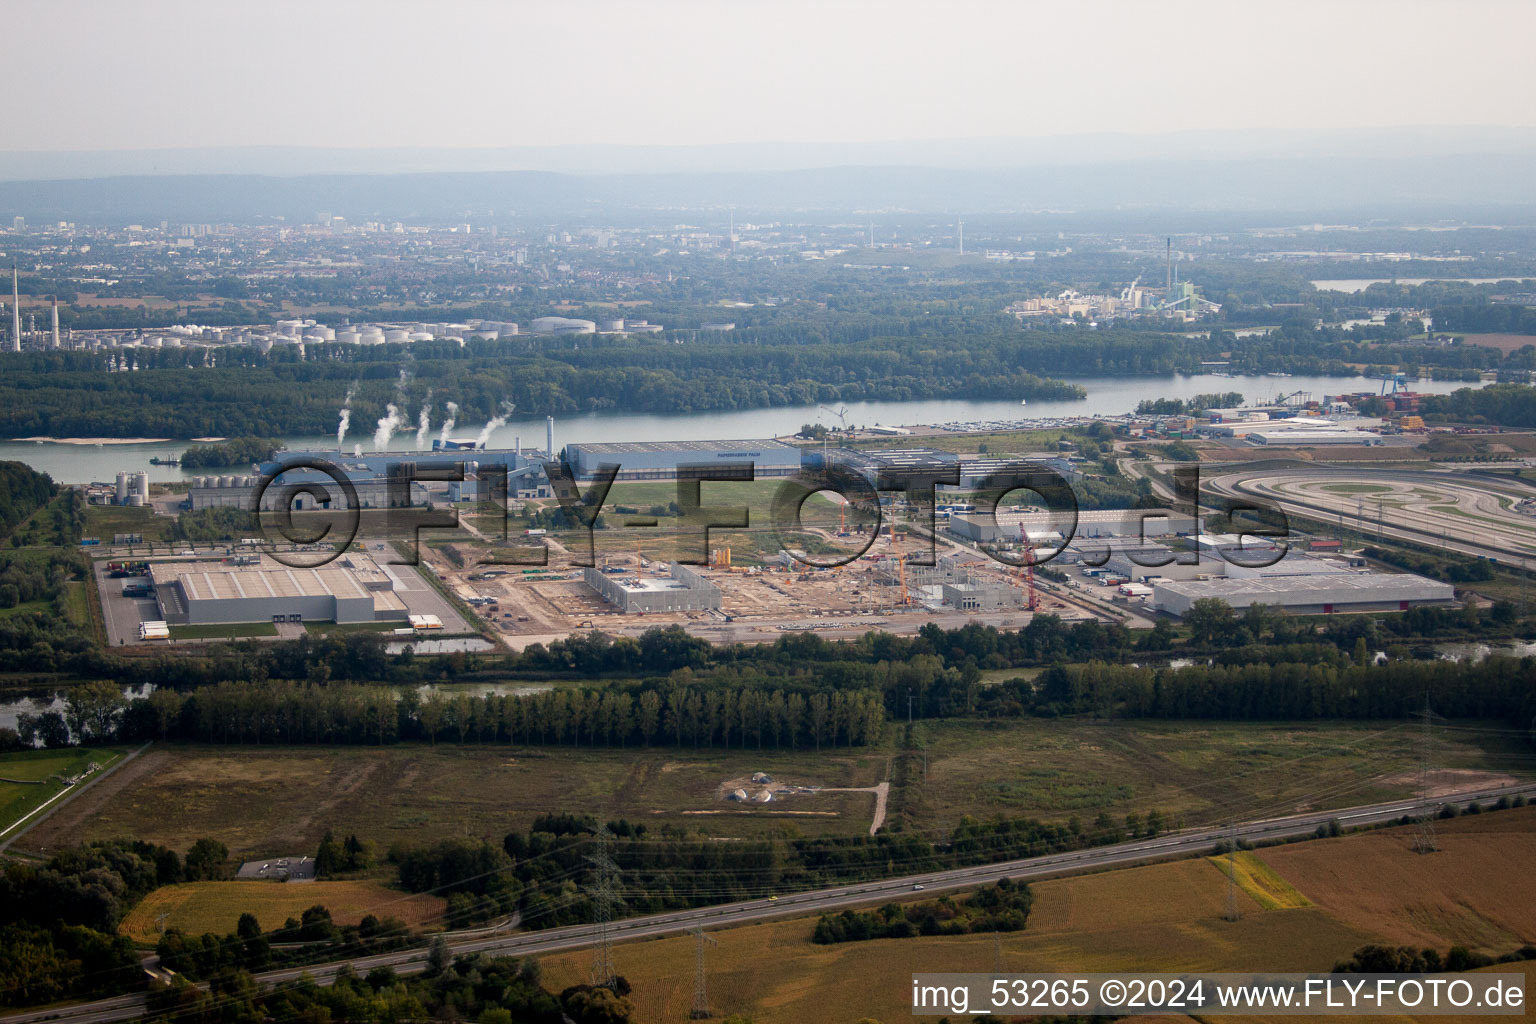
143	74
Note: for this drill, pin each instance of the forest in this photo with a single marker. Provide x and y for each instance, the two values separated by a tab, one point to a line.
173	393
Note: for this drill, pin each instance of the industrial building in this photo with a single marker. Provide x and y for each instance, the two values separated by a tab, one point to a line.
351	589
1321	594
685	591
981	596
562	325
980	528
658	460
132	489
369	475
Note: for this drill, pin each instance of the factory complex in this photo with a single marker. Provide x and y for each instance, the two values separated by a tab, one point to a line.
349	590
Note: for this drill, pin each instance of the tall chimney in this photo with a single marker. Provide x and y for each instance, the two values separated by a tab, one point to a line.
1168	287
15	313
56	322
549	436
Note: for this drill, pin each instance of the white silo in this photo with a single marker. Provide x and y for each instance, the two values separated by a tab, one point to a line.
396	335
141	485
123	488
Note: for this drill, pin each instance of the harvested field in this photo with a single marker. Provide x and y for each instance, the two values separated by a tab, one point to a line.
1163	917
1473	892
201	907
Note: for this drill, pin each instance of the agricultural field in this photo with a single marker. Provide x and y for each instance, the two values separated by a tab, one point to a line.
28	778
1191	772
1477	891
264	800
201	907
271	801
1162	917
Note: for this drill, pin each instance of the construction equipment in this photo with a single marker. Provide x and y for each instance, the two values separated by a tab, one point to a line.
1029	567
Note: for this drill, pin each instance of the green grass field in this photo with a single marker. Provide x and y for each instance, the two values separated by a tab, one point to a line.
105	521
201	907
222	630
1190	771
259	800
34	771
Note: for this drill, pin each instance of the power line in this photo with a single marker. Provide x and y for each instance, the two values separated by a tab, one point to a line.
1424	829
604	899
1232	912
700	982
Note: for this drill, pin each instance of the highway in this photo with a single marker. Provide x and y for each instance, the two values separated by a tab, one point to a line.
1185	843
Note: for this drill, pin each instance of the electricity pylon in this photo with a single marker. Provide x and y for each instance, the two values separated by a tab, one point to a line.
700	991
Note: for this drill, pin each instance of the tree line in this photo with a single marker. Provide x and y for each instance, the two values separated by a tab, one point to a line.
668	712
1000	907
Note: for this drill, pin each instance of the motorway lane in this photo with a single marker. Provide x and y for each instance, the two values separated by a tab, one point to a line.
801	904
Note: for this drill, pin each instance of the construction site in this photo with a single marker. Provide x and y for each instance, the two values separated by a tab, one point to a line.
897	584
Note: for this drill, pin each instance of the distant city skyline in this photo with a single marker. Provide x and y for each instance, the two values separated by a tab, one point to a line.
174	74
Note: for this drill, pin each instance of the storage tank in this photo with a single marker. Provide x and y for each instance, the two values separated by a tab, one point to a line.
141	485
371	336
396	335
122	488
200	481
136	500
420	336
612	326
347	337
508	330
226	481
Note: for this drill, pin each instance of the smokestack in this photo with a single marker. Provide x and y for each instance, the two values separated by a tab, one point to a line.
15	312
56	322
1168	287
549	436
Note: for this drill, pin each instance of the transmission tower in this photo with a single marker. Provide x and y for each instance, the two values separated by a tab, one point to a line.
1424	831
605	898
1232	912
700	992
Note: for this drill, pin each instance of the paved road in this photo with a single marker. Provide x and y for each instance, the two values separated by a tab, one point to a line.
571	937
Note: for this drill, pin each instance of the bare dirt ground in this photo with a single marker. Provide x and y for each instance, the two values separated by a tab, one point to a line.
1453	781
782	791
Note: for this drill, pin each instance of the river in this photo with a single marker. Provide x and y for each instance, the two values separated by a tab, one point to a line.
84	463
1352	285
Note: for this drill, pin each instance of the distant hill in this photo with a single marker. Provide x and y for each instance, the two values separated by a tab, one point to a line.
1428	186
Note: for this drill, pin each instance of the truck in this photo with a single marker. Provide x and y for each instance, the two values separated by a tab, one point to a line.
534	533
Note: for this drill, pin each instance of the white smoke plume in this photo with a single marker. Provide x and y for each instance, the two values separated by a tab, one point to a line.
448	424
423	426
493	423
388	424
345	419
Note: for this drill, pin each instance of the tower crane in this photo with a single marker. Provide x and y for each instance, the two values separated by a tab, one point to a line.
841	412
1029	568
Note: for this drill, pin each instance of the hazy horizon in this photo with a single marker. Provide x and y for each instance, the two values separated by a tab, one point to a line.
172	75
